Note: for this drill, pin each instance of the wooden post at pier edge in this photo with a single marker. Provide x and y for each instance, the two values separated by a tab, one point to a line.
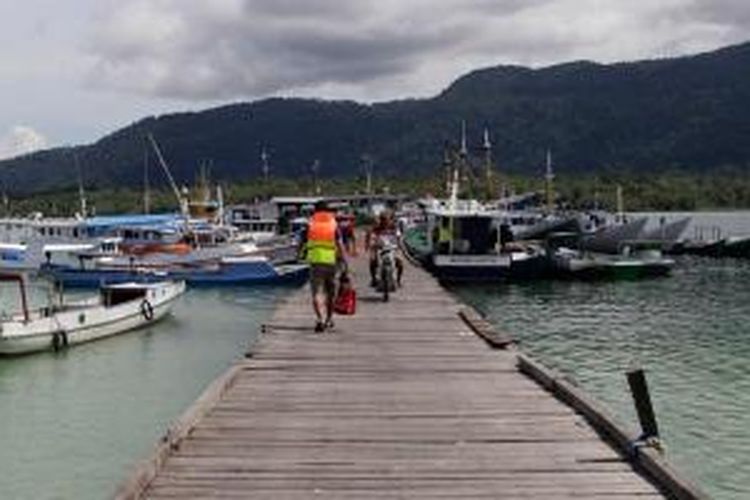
642	400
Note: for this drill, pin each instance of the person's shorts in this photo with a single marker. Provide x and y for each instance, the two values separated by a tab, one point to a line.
323	277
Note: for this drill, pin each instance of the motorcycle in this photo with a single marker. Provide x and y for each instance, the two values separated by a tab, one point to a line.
386	267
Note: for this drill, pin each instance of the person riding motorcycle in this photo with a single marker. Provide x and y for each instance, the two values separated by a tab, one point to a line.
385	227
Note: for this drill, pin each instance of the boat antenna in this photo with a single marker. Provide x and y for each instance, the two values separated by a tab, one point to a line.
549	177
180	199
81	192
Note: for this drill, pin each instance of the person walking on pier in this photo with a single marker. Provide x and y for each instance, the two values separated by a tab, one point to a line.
324	252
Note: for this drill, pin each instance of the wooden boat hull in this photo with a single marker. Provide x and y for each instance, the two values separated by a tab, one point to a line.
228	272
488	268
700	249
610	239
85	322
611	268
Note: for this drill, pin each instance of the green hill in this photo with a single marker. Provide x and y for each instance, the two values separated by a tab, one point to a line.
688	113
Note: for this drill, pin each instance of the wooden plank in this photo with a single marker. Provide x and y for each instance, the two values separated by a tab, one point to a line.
401	401
484	329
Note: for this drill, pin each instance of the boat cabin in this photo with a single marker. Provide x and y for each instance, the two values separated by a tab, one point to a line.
466	234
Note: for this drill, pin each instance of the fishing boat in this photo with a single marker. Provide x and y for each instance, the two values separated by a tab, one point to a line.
731	246
736	246
117	308
667	234
465	242
536	226
225	270
610	239
637	259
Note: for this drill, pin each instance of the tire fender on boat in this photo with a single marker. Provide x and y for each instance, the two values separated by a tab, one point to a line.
147	310
59	340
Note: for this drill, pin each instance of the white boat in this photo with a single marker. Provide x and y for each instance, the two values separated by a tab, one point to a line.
117	309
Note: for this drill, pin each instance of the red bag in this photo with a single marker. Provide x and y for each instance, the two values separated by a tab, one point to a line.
346	302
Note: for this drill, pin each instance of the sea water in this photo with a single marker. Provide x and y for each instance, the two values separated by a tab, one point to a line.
690	332
73	424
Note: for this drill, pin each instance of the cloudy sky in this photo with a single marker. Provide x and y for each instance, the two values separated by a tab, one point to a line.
73	71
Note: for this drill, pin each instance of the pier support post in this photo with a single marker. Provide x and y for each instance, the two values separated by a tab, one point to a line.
642	400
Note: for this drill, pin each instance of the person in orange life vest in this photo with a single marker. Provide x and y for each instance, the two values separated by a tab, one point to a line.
383	228
324	251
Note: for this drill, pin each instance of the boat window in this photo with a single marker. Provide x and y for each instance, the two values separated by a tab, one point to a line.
114	296
476	235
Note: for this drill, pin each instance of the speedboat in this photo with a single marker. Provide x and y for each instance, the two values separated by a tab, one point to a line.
634	260
116	309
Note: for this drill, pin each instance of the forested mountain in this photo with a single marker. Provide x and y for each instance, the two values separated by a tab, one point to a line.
688	113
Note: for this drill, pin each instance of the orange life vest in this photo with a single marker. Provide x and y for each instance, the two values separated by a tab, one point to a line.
321	239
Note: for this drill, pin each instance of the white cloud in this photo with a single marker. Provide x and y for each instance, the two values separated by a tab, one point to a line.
21	140
374	49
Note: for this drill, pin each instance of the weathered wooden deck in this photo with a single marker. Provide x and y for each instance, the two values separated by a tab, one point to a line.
402	400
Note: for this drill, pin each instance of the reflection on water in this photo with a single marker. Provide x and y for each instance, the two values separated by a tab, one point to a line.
72	424
690	332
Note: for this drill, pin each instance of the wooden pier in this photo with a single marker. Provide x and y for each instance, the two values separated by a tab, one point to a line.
402	400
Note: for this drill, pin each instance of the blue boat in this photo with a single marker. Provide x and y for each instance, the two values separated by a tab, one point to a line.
227	271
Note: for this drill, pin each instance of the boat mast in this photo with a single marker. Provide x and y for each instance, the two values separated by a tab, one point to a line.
81	192
549	177
463	154
180	199
264	163
447	172
220	201
146	193
452	208
620	206
316	181
367	165
487	147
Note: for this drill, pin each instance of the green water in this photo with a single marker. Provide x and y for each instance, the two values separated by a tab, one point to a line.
690	332
73	424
